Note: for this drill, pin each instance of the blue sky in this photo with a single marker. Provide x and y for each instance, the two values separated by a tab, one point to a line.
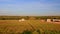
30	7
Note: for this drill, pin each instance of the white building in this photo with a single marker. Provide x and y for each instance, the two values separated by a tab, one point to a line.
21	20
56	20
48	20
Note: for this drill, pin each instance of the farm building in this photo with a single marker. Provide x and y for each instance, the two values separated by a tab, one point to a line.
56	20
48	20
21	20
53	20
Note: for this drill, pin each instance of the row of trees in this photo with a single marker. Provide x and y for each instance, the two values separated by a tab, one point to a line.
28	17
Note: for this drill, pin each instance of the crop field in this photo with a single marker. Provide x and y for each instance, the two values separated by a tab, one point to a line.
28	27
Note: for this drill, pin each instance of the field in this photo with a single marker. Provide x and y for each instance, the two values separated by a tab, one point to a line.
28	27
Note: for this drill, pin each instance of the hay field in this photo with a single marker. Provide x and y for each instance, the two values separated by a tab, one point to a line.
16	27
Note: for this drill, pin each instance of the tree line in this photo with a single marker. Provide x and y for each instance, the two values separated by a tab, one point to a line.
28	17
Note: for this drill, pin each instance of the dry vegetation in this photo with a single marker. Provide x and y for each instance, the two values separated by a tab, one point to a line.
28	27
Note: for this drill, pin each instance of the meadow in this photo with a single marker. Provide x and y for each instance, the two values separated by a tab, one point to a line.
28	27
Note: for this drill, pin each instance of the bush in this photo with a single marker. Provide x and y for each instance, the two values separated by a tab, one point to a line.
27	32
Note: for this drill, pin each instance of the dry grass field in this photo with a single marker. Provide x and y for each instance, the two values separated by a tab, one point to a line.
31	26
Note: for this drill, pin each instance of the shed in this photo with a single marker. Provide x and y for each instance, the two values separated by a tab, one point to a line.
48	20
21	20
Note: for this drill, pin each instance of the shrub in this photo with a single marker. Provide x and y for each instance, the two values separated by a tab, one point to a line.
27	32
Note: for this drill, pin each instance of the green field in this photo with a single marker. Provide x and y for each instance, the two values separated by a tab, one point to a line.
28	27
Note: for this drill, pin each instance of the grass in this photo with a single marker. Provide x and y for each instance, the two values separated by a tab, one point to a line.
28	27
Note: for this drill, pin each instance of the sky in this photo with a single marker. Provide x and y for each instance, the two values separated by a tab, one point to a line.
30	7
